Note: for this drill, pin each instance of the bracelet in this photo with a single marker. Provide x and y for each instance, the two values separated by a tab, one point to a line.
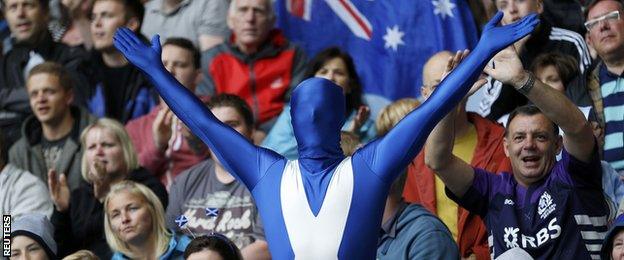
528	85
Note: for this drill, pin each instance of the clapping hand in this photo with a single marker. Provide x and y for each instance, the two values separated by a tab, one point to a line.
362	114
100	179
59	190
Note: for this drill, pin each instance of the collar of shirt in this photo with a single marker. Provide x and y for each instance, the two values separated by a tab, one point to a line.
389	228
604	75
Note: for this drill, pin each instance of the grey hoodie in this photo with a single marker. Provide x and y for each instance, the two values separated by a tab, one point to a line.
22	193
27	153
38	228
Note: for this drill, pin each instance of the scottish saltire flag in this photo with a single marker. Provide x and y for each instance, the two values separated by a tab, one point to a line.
181	220
390	40
212	212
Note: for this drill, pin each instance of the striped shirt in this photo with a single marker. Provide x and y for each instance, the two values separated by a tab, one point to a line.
612	91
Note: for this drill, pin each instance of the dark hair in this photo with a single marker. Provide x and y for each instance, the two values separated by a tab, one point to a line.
565	65
187	45
354	97
53	68
528	110
214	242
43	3
595	2
233	101
396	188
133	8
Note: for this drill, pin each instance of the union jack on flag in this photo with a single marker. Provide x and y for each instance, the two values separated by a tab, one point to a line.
389	40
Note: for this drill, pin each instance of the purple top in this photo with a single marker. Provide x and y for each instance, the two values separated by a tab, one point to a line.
564	216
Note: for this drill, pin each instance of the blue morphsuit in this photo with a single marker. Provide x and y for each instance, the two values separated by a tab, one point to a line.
323	205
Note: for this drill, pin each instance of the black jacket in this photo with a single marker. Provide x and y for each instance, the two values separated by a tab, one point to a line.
121	93
543	40
82	225
14	103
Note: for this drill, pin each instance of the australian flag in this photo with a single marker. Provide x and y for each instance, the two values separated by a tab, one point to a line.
389	40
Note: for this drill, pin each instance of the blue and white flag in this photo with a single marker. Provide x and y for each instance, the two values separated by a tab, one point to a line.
181	220
212	212
389	40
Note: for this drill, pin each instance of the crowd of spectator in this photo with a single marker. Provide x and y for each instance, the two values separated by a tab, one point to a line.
95	164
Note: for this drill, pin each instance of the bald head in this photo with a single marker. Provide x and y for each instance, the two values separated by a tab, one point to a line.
434	67
432	71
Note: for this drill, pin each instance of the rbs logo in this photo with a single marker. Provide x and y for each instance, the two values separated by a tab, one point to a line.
551	232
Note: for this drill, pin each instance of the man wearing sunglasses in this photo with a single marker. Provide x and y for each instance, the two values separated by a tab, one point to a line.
605	33
500	99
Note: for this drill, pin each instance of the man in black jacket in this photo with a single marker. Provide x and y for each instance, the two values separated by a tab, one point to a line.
116	88
32	45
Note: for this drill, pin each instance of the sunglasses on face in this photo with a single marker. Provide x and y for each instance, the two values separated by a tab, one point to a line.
612	16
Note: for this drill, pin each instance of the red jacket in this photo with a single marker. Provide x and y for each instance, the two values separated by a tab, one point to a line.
262	79
165	165
489	155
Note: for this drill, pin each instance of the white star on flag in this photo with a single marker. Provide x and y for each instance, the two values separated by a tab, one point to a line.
443	7
393	38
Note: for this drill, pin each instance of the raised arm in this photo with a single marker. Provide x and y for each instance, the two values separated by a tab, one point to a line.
388	155
578	139
456	174
239	156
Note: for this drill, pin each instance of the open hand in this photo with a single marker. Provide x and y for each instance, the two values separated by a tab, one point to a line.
495	38
507	68
137	52
59	190
451	64
362	114
100	179
161	128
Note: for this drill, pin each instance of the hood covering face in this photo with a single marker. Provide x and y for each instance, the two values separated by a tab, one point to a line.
318	113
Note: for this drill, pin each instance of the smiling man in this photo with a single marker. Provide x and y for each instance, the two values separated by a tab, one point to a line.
542	208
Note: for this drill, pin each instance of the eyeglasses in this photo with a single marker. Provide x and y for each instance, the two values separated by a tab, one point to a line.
612	16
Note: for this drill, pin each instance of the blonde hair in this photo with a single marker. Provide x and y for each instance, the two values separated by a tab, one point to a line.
156	211
82	255
393	113
129	154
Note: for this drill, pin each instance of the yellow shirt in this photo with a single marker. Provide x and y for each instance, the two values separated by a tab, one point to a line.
447	209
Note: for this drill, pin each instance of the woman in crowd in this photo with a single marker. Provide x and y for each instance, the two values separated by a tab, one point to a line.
212	247
135	225
337	66
109	158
